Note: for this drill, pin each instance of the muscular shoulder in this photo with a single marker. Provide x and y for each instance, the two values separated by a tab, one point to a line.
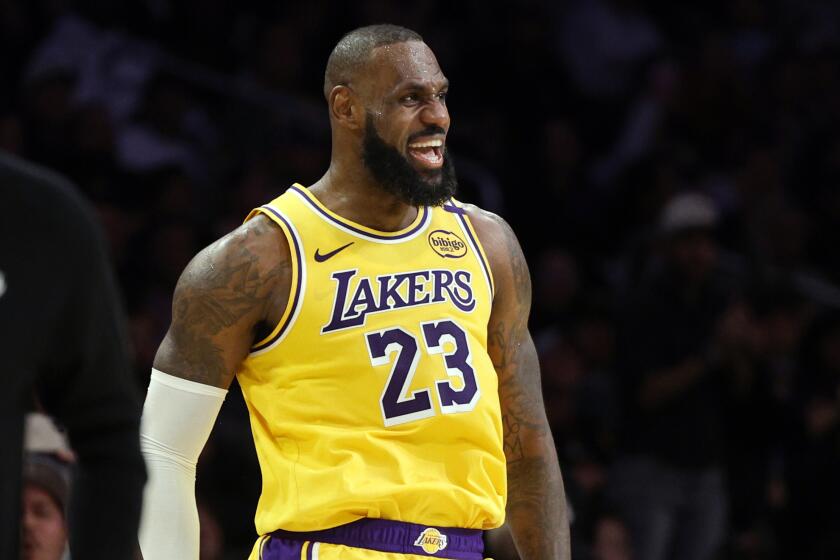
250	259
507	262
223	298
491	228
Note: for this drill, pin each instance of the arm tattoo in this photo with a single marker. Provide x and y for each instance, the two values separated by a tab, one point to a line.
224	284
536	499
511	349
200	312
512	445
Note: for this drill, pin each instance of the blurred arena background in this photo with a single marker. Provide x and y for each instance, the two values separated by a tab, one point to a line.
618	137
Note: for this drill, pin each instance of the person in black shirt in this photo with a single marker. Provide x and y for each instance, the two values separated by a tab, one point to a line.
62	338
675	341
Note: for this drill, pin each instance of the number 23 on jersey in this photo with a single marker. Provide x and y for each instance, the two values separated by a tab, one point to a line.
400	348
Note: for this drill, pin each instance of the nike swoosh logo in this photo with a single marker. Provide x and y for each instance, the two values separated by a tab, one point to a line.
321	258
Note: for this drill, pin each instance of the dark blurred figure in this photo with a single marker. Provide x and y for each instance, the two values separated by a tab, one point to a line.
211	537
675	345
813	458
557	280
759	415
586	437
611	540
605	537
62	337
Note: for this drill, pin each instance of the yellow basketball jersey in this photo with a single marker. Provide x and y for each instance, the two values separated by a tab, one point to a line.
374	396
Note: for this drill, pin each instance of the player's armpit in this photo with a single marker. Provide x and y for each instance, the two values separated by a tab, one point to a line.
225	294
536	506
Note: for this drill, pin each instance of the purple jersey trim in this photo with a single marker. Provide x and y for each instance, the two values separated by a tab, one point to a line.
454	209
475	244
297	251
346	224
283	549
385	535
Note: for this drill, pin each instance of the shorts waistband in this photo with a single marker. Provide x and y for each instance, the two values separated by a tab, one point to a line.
400	537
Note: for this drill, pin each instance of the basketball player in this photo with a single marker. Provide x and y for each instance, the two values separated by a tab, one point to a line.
378	329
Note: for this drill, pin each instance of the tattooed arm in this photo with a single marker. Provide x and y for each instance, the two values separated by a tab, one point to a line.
536	507
230	292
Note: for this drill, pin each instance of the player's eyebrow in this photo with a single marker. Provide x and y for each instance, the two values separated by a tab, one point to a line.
419	85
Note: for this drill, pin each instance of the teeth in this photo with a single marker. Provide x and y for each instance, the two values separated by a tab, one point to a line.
428	144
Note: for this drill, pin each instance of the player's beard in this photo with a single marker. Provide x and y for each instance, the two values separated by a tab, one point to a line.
397	176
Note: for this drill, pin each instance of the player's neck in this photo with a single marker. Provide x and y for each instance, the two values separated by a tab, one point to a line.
353	194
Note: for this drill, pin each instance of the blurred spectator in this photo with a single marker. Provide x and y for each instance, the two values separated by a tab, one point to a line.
168	132
814	455
211	538
46	488
758	412
604	537
562	372
557	280
678	336
604	42
43	523
611	540
580	395
597	408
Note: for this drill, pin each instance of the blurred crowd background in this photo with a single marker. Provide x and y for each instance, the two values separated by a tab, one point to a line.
672	170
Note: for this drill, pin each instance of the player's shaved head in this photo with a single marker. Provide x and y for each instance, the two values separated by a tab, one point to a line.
354	50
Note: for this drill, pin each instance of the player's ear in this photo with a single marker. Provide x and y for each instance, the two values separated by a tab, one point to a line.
346	107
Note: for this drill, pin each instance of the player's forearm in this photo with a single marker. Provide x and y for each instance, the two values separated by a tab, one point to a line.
177	419
536	508
169	525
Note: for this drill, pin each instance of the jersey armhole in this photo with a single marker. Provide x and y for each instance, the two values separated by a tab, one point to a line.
472	236
297	284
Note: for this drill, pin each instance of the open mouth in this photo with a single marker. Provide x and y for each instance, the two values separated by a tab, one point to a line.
427	154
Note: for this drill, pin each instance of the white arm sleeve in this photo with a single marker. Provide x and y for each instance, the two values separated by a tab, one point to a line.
178	416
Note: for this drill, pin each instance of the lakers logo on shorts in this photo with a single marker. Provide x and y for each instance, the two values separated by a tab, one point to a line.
431	541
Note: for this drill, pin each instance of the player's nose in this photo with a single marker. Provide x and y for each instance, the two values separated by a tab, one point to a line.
435	113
